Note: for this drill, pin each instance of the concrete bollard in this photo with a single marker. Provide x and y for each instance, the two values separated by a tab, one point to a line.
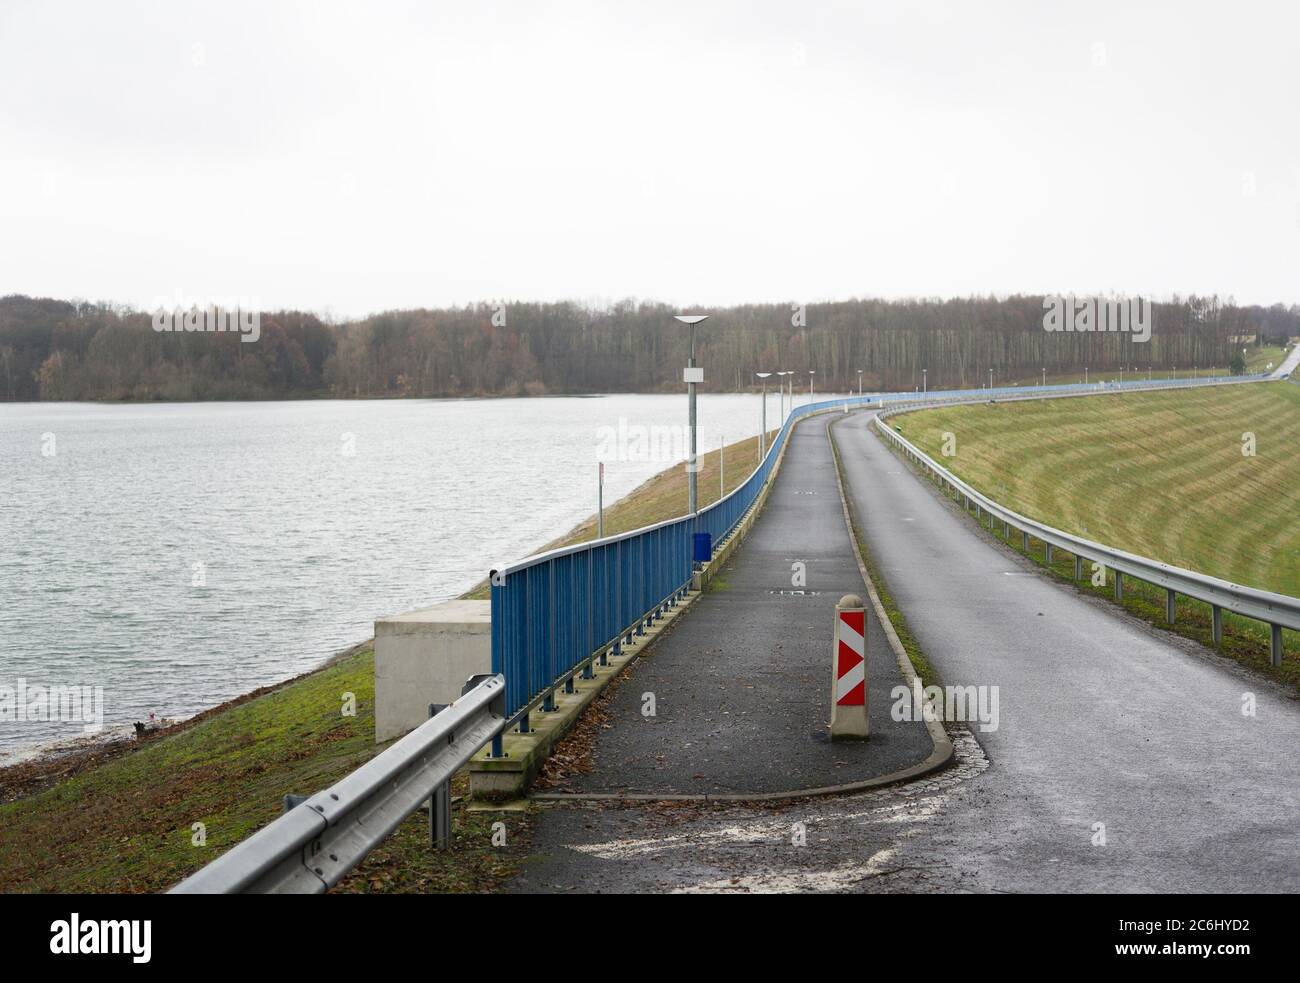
849	670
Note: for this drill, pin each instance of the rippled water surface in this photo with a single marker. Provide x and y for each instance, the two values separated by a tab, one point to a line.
181	554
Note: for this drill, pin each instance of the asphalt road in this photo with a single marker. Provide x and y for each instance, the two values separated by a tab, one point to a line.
1103	719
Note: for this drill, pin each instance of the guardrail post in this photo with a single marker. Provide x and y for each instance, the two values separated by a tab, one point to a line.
291	800
849	669
1169	604
1006	530
1078	567
1047	553
1119	586
1275	646
1216	624
1024	540
440	803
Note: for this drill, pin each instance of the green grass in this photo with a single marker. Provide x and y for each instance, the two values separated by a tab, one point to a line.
127	825
663	497
1158	474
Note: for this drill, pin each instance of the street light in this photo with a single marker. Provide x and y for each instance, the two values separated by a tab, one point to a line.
925	382
1044	375
692	376
811	373
780	388
859	383
762	434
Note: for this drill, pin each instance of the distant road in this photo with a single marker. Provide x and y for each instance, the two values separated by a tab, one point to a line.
1289	364
1104	720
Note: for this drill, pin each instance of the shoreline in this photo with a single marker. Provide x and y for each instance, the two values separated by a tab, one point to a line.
39	766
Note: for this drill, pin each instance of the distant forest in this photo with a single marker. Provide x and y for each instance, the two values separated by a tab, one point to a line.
60	350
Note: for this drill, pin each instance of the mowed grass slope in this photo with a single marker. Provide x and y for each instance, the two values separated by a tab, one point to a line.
1158	474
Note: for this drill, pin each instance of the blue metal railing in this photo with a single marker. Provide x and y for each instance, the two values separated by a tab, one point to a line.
556	612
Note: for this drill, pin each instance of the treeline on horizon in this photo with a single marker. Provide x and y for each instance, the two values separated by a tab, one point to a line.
61	350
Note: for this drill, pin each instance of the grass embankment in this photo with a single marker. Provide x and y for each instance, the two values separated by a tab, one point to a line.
663	497
1158	474
127	823
1257	360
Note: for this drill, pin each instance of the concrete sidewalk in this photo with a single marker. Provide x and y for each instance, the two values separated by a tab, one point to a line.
741	685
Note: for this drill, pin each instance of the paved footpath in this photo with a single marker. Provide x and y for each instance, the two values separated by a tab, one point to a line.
741	684
1104	722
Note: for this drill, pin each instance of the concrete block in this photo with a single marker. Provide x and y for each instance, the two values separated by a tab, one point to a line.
424	657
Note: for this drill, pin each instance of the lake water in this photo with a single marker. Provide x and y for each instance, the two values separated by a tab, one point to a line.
178	555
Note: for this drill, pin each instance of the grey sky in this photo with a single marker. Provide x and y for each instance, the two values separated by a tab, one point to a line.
348	158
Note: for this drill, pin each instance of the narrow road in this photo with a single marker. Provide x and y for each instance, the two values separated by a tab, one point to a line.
1289	363
1104	720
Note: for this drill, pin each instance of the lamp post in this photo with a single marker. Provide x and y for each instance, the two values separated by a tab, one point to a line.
780	388
762	434
925	381
692	376
811	373
990	380
1044	375
1085	375
859	383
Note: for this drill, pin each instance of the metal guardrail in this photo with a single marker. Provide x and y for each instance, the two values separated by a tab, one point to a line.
1276	610
319	840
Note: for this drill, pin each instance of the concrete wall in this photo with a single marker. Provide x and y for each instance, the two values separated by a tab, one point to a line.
424	657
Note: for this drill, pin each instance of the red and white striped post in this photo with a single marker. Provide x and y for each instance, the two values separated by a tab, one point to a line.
849	670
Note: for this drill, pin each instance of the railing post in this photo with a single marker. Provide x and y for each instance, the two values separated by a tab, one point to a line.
1275	646
1216	624
1078	567
1119	586
1024	540
1047	553
1169	604
440	803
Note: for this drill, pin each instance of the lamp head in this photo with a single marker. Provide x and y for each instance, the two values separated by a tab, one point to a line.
690	318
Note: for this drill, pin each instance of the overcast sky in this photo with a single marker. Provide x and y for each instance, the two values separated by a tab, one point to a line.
348	158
